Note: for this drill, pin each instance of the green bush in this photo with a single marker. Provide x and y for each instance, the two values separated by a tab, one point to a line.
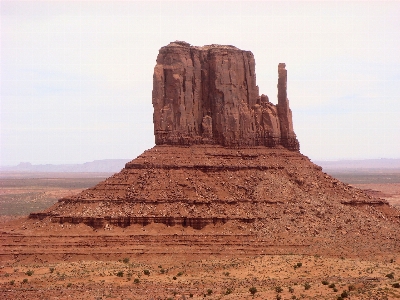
25	280
146	272
209	292
120	274
12	282
29	272
51	270
390	275
179	274
253	290
307	286
344	294
126	260
136	280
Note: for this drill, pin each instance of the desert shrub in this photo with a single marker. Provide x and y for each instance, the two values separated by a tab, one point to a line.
278	297
209	292
307	286
344	294
339	298
299	264
136	280
25	280
352	288
29	272
51	270
332	285
226	273
179	274
324	282
294	297
396	285
335	290
125	260
174	278
228	291
6	275
69	284
120	274
146	272
390	275
12	282
162	271
278	289
253	290
291	290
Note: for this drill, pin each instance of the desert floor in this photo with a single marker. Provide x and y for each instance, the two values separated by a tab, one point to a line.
184	275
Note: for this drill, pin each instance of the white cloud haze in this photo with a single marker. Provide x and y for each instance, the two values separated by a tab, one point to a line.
76	76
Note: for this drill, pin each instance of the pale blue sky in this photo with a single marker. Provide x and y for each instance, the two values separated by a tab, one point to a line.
76	76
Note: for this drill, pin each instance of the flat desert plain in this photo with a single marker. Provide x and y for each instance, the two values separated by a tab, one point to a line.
118	270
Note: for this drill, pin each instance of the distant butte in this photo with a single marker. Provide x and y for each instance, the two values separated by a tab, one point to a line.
208	95
228	159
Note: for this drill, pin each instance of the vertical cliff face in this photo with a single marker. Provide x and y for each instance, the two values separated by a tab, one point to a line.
208	95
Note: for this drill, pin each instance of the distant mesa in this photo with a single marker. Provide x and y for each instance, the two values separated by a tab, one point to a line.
208	95
225	155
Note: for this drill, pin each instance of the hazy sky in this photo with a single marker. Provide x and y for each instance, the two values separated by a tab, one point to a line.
76	76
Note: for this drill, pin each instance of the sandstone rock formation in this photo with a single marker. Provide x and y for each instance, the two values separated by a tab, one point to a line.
208	95
224	157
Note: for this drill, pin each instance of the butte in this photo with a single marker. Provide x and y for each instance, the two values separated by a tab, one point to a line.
226	175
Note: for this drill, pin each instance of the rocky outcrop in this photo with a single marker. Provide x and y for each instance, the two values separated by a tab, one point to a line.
208	95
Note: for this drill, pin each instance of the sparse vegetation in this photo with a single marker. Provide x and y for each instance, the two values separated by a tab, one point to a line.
120	274
209	292
12	282
291	290
344	294
253	290
228	291
125	260
324	282
51	270
307	286
390	275
136	280
25	280
278	289
29	272
396	285
332	285
146	272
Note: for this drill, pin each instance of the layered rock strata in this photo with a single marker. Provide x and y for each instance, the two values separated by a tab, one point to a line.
224	157
208	95
205	185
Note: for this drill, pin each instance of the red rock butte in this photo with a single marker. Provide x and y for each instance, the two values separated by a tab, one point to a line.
227	158
208	95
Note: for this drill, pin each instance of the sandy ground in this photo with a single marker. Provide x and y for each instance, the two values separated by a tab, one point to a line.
139	275
169	277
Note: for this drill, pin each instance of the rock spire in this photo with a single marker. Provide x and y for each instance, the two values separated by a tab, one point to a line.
208	95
